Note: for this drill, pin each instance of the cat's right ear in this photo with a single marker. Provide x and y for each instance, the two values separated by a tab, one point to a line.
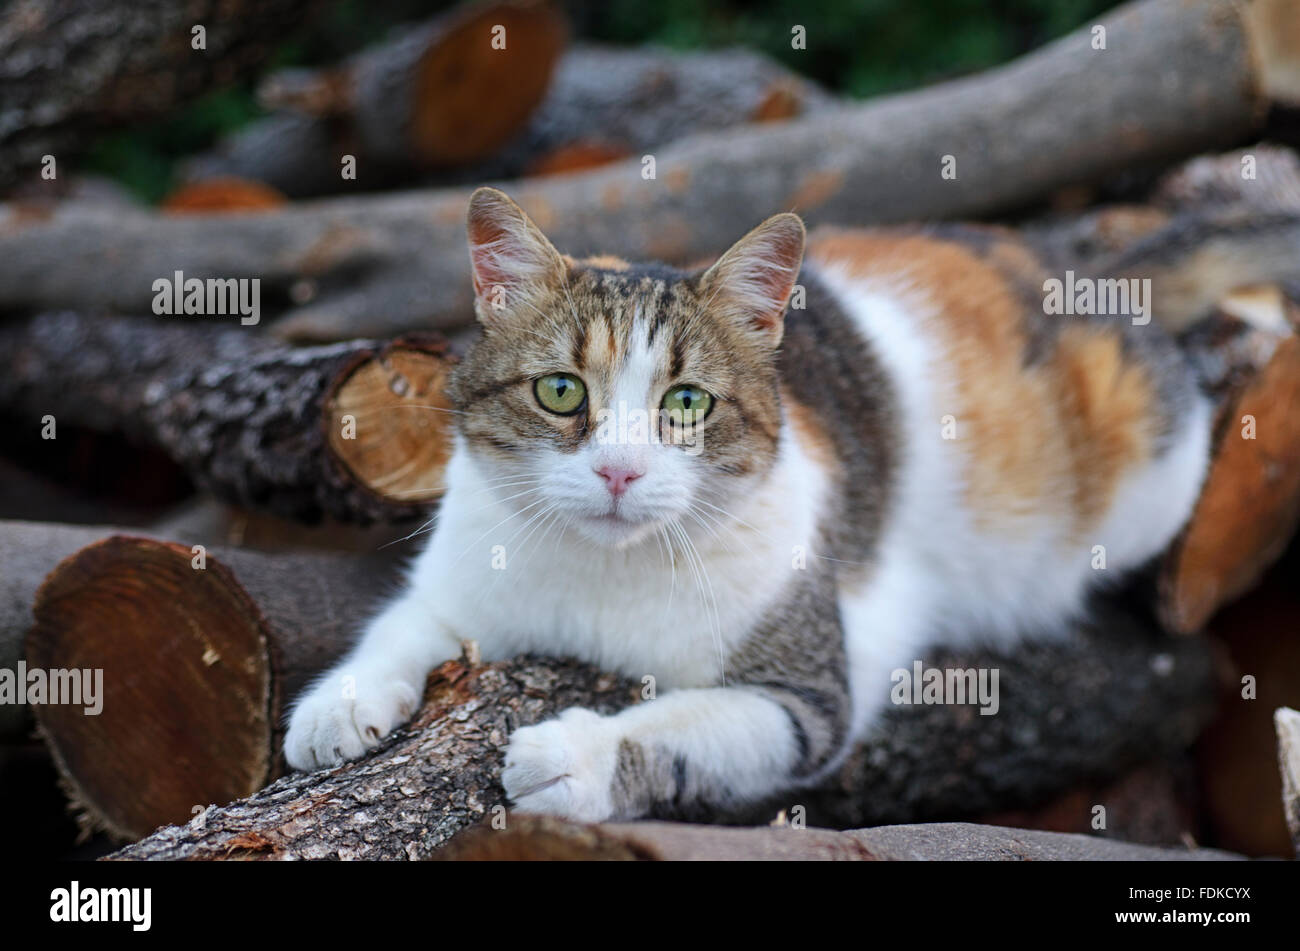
512	262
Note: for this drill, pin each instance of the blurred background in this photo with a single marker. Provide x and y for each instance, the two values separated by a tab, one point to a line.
863	48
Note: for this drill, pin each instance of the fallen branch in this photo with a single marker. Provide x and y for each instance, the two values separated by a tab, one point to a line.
1177	78
358	431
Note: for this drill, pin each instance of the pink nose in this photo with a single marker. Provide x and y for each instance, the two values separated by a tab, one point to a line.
617	478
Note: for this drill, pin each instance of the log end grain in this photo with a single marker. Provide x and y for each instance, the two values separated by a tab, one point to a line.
389	422
1250	503
186	702
478	83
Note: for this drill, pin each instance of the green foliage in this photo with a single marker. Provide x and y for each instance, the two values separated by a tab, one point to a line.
860	47
142	157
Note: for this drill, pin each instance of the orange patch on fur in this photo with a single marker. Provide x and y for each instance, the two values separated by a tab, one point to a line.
1105	404
1065	428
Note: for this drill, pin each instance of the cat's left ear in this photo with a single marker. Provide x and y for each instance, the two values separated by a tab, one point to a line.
512	262
751	284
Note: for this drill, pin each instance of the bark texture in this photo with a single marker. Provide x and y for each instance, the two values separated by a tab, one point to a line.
1069	711
253	421
69	68
1177	77
425	784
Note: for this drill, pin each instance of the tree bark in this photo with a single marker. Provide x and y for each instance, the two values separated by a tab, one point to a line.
74	67
357	431
1069	710
602	104
1177	77
538	839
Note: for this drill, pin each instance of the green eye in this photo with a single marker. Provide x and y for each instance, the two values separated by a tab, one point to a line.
560	393
687	405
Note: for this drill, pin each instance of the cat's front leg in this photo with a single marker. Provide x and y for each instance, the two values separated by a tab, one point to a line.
688	751
377	687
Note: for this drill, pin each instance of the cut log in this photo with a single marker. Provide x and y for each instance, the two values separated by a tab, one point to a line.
357	431
1068	710
440	93
538	839
1178	77
1276	31
1250	504
602	104
199	651
75	67
28	552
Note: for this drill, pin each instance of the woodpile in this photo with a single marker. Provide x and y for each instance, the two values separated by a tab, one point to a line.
1179	78
332	411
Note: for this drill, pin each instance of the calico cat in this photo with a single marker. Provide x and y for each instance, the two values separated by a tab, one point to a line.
914	453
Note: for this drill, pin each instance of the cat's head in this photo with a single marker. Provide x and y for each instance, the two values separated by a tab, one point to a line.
617	398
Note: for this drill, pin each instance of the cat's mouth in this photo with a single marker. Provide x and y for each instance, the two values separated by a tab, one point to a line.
616	528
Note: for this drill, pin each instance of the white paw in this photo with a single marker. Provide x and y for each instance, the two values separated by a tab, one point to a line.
343	716
564	767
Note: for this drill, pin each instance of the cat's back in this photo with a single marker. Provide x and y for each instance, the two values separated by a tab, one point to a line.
1012	438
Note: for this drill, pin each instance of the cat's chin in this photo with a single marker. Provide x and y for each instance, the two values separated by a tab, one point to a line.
615	531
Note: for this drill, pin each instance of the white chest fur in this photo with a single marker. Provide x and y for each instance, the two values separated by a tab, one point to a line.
672	607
